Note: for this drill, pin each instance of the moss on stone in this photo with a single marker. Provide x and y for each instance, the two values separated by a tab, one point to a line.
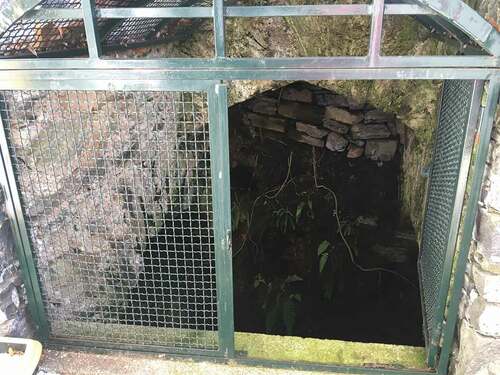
288	348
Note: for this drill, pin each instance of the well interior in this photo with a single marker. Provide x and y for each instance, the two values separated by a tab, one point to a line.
321	247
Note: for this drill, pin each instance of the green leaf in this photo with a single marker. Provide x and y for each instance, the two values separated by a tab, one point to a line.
289	315
323	246
310	204
300	208
322	261
293	278
258	281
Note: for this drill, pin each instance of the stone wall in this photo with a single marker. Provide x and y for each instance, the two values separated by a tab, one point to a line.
13	317
319	117
478	338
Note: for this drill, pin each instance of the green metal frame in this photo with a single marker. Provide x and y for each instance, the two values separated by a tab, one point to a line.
217	112
219	146
373	66
484	137
174	74
466	132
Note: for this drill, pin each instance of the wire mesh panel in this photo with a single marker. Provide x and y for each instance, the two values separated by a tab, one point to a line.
137	31
28	37
437	246
34	38
116	191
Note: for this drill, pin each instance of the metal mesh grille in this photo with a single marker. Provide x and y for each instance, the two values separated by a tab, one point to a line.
77	3
450	136
136	30
28	38
117	197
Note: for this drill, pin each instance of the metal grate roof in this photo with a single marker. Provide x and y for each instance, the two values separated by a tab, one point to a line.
55	28
28	37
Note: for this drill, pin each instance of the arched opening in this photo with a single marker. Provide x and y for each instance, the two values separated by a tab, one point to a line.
320	246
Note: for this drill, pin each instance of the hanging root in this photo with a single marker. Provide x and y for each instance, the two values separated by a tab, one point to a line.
277	191
341	232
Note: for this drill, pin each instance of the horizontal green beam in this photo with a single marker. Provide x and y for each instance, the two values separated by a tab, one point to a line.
152	79
232	11
177	12
227	63
91	80
323	10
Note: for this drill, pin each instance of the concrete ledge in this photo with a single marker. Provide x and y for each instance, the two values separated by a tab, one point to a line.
83	363
289	348
248	345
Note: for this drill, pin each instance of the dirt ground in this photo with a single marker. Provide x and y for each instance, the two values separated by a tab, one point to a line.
56	362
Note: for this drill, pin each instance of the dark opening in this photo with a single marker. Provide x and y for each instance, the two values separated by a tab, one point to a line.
319	245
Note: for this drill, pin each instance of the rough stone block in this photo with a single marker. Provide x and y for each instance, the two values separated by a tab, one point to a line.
336	126
370	131
381	150
311	130
358	142
495	135
266	106
336	142
477	354
487	284
484	316
304	112
297	94
304	138
488	246
265	122
354	151
341	115
377	116
355	105
391	125
488	260
492	191
327	98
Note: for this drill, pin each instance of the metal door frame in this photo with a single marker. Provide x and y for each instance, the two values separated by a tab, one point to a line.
432	331
217	97
219	162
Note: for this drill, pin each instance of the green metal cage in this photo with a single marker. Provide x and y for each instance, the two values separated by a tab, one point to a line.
80	135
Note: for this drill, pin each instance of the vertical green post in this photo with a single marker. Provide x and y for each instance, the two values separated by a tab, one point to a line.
219	149
218	14
91	33
21	238
484	133
376	31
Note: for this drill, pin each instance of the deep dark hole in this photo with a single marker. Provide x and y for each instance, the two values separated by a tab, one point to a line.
283	225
